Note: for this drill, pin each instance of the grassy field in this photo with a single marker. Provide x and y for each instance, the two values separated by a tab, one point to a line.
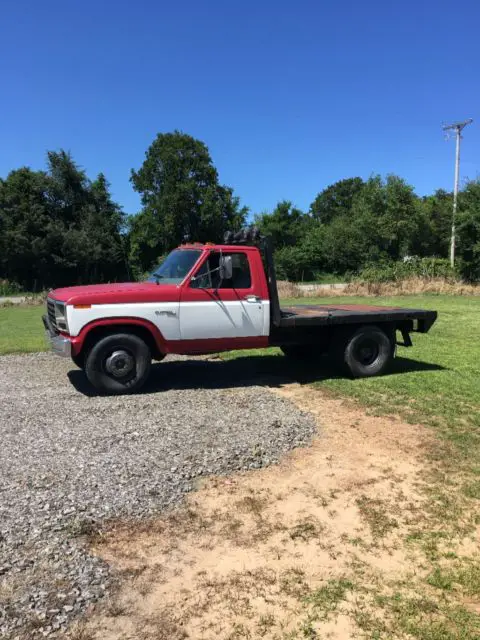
437	382
21	329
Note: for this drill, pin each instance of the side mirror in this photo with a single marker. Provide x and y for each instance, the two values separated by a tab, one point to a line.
225	268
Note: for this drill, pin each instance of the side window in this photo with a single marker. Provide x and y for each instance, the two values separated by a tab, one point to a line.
241	277
208	276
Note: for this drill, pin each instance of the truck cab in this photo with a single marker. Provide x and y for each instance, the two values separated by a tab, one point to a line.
206	298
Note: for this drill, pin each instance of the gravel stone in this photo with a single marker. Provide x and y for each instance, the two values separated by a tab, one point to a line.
71	460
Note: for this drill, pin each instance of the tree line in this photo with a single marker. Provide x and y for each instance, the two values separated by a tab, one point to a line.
354	224
58	227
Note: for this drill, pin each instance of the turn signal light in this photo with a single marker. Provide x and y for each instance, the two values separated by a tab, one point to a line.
82	306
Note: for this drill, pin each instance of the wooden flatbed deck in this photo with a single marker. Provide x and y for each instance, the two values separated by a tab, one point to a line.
335	314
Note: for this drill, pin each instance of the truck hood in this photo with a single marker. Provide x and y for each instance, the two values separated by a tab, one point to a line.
117	293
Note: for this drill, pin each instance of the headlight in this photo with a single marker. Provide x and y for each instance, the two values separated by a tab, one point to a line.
61	316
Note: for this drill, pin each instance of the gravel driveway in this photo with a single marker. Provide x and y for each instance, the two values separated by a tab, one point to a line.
70	460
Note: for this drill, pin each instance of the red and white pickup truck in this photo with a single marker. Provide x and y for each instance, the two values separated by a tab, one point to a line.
207	298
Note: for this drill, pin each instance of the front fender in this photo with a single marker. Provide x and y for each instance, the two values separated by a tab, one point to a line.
79	341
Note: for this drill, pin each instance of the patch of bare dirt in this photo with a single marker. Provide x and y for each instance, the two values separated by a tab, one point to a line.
274	553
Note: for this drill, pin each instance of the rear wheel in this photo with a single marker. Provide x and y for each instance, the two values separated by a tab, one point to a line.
367	352
118	364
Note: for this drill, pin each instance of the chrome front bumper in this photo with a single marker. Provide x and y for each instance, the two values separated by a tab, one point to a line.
57	343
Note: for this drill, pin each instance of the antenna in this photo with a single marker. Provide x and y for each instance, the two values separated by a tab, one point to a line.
458	128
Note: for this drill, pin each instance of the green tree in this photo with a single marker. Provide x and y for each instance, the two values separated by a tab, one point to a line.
336	200
435	215
58	227
305	259
285	225
347	244
380	223
400	222
386	212
91	238
468	231
25	222
293	263
296	239
180	195
103	223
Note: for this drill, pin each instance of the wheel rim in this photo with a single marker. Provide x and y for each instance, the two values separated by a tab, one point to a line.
366	352
119	364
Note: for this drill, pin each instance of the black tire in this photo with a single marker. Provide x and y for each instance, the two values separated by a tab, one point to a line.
367	352
79	360
118	364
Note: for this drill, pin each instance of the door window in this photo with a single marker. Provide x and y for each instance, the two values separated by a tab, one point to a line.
208	276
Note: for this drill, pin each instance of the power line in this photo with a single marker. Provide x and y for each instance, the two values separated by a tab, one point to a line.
458	128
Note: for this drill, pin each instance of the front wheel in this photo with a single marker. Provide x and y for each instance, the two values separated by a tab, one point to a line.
119	363
368	352
79	360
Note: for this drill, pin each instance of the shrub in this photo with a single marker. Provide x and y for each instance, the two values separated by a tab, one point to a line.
8	288
411	286
294	263
413	267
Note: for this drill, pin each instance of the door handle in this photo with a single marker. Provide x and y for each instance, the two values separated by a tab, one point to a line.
253	299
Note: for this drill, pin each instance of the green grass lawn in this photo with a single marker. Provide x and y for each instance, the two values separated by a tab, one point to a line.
437	381
21	329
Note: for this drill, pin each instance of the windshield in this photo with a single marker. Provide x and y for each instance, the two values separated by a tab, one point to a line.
175	266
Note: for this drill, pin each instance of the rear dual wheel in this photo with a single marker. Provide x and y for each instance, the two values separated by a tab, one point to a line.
118	364
367	352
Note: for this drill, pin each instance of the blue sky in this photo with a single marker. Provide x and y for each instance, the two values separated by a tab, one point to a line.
288	96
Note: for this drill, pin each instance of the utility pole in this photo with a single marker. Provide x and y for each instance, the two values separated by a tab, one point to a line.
458	128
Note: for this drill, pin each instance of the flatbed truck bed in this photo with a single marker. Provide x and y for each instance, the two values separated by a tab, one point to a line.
306	315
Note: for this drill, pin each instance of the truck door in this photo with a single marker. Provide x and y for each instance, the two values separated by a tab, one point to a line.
213	309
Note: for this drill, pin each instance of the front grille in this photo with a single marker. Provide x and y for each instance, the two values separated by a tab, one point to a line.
51	313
